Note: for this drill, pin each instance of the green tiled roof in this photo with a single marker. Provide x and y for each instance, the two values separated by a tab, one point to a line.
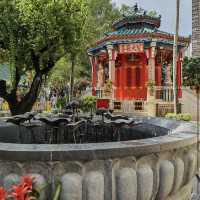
134	31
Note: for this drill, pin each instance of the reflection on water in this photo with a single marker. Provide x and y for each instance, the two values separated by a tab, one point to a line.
86	131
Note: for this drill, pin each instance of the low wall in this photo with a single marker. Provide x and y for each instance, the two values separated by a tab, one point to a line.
161	168
189	102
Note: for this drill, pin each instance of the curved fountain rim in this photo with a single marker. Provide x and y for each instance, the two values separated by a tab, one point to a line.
92	151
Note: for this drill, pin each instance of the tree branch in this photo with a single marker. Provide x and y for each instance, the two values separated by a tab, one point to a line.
2	45
3	92
49	66
35	61
17	78
35	87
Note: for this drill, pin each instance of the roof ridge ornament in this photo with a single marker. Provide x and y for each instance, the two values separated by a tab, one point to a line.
136	11
136	7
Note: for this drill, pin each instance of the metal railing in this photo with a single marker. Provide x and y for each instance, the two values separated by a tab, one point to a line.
164	93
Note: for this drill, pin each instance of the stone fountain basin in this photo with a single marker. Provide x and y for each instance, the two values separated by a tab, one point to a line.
159	168
150	127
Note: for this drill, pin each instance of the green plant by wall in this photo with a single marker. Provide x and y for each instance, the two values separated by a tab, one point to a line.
151	86
57	192
108	86
88	104
183	116
61	103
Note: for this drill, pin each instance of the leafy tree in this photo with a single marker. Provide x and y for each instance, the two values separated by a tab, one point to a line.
35	34
191	72
59	76
99	19
81	85
101	15
152	13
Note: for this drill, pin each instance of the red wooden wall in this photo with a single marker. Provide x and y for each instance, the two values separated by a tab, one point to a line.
94	76
131	78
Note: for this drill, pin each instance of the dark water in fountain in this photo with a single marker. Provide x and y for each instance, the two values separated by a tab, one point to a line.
85	131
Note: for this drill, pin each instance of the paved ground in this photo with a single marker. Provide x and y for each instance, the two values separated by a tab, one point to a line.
189	101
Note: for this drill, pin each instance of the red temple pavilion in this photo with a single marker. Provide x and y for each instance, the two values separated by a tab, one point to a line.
132	66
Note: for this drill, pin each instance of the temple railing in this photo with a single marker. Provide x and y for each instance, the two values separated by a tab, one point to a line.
99	93
162	108
102	93
164	93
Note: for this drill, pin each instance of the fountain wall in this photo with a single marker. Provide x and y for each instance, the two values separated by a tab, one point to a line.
160	168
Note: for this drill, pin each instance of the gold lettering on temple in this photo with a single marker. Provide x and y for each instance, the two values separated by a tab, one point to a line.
131	48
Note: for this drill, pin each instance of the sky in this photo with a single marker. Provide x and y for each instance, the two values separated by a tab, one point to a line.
167	8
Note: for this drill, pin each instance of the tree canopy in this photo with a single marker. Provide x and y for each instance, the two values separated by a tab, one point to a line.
34	35
191	72
100	17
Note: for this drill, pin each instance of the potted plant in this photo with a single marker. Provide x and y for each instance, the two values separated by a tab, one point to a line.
151	87
108	88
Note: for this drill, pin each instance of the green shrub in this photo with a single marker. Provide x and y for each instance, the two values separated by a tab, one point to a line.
88	103
182	116
185	117
170	115
61	103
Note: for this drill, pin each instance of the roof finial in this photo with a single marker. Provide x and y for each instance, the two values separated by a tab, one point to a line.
136	8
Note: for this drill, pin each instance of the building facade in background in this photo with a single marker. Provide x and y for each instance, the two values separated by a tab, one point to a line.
195	28
134	62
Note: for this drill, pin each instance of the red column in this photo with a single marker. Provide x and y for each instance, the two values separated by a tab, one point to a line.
158	75
94	74
117	78
123	77
143	77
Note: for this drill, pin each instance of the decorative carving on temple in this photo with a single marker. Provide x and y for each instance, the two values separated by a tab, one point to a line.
168	80
166	74
152	62
106	71
154	50
118	62
135	16
131	48
110	52
133	57
100	75
137	11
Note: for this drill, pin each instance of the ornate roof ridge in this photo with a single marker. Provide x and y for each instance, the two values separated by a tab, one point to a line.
135	15
134	40
130	31
158	33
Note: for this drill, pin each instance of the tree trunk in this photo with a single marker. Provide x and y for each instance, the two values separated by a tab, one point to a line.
27	102
71	95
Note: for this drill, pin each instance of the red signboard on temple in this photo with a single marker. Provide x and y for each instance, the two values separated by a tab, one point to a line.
102	103
131	48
